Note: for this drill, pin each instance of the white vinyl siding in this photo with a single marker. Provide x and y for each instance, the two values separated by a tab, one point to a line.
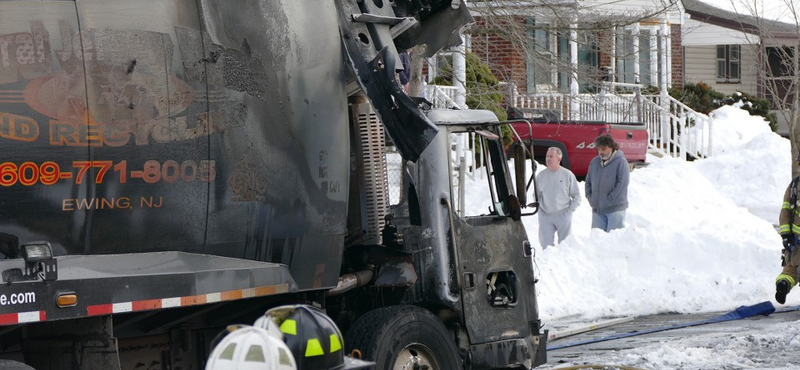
700	65
696	33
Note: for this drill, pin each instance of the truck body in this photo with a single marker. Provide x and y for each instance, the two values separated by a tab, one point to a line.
576	138
189	164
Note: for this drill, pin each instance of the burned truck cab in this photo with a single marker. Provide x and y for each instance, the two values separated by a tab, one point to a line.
473	260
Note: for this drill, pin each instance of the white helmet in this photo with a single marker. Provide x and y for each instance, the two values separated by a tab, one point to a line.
250	348
267	323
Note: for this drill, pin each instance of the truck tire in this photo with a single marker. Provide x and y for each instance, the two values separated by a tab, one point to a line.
13	365
404	337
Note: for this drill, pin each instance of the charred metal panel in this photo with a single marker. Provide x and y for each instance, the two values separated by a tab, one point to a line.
440	26
275	73
374	59
154	123
490	244
429	243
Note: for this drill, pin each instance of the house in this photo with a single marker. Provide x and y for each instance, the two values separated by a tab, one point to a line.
571	46
604	60
615	60
730	52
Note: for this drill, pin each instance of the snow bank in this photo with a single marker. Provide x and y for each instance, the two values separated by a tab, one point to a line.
699	235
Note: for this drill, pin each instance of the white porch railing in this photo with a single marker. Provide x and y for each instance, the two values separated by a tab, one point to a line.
672	127
608	107
442	96
680	131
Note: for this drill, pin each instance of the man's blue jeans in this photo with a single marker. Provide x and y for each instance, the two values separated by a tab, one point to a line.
608	221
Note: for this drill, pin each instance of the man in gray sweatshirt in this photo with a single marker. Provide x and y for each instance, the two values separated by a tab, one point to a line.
559	196
607	185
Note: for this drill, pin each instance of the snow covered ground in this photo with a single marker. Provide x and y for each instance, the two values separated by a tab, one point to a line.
700	236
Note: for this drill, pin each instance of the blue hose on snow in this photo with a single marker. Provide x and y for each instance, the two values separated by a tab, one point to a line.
763	308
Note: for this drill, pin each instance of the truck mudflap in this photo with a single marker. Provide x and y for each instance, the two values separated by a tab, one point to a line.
109	284
527	352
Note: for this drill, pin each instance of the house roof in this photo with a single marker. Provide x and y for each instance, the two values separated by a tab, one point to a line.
703	12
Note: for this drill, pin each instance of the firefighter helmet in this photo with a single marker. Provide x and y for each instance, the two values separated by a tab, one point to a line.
312	336
250	348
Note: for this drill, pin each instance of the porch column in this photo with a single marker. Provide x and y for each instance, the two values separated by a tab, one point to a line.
573	76
664	96
668	41
654	56
664	68
460	75
621	55
432	72
635	43
612	69
554	64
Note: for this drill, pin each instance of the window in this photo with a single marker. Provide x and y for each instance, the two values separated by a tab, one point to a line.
645	58
729	63
548	60
780	79
488	147
780	61
541	63
587	62
626	57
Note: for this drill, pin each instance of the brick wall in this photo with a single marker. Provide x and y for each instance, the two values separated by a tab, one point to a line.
677	56
495	44
605	46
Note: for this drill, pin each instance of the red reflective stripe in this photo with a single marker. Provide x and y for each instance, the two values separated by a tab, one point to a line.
231	295
151	304
100	309
9	318
266	290
194	299
22	317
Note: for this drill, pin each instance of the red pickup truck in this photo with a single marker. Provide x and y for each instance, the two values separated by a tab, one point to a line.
576	138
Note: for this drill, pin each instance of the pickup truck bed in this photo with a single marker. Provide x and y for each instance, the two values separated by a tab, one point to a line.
575	138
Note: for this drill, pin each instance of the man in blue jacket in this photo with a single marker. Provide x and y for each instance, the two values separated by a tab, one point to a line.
607	185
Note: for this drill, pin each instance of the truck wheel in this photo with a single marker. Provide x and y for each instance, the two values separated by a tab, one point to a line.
13	365
404	337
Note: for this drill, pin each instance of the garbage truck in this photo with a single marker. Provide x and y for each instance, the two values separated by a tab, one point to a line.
170	167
